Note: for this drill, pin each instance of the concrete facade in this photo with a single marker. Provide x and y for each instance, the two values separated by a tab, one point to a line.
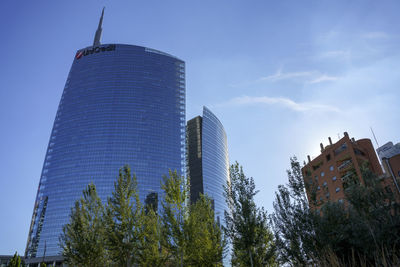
389	155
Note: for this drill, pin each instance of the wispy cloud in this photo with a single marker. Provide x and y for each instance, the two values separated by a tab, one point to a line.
328	36
307	77
336	54
375	35
280	101
279	75
311	77
324	78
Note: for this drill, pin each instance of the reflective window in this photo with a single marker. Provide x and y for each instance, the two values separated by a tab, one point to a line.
215	160
340	149
125	106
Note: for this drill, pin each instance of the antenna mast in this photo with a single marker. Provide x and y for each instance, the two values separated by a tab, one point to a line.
97	37
376	141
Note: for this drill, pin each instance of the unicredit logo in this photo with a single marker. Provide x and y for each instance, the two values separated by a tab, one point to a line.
93	50
79	55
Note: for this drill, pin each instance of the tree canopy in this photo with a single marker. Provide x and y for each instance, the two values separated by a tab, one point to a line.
15	261
83	239
246	224
364	231
127	233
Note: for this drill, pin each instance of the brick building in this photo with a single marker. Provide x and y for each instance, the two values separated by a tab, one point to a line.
330	173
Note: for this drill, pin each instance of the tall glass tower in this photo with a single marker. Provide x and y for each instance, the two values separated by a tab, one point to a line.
208	163
121	104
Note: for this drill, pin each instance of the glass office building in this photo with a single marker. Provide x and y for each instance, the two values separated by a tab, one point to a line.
122	104
208	163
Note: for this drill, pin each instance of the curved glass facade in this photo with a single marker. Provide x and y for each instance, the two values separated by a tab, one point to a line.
215	161
122	104
207	160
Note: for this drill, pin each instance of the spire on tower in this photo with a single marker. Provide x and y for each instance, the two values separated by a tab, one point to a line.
97	37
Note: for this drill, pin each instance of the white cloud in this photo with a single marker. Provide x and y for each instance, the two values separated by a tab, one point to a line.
324	78
336	54
312	76
328	36
307	77
279	75
280	101
375	35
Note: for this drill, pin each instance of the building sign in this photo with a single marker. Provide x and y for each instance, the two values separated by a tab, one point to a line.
93	50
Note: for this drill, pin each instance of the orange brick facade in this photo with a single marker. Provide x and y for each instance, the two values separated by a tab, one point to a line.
394	163
329	174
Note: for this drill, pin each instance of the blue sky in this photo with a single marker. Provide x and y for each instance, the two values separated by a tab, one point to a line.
281	76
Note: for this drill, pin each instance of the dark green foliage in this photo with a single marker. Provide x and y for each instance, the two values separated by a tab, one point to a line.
246	224
374	218
205	242
82	240
175	213
127	234
151	249
192	236
122	217
15	261
293	222
364	231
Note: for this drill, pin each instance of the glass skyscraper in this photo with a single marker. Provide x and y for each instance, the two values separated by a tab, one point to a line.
121	104
208	163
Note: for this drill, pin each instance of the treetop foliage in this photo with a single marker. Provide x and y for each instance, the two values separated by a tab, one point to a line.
82	239
15	261
364	231
126	233
246	224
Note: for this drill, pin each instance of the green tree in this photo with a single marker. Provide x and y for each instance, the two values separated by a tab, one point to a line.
152	249
365	230
82	240
293	222
190	233
122	217
374	218
205	241
246	224
15	261
175	213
